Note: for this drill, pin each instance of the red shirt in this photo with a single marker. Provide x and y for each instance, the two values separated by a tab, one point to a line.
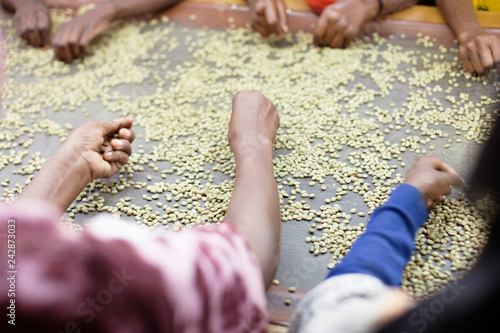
318	5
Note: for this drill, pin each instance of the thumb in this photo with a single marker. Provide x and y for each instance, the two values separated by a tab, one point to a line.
112	126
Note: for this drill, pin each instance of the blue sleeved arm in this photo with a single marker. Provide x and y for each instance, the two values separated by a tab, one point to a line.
389	240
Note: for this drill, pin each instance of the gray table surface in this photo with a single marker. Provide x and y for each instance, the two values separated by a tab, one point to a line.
297	266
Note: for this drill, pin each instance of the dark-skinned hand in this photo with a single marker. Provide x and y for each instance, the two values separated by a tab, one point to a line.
268	17
254	121
480	51
433	178
73	38
32	22
104	146
341	21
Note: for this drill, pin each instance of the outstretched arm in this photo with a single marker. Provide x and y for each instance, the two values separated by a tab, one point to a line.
386	246
254	208
90	152
479	51
73	38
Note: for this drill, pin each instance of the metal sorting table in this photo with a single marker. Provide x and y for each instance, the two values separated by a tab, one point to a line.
298	267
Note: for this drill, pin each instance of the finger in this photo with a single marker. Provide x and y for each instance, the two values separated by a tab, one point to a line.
27	24
36	38
261	30
339	29
495	50
260	8
85	39
62	52
270	14
272	19
105	147
116	156
452	179
34	30
127	122
61	47
349	36
46	37
347	41
464	57
485	55
329	34
430	203
283	17
127	134
435	162
319	32
74	42
28	37
43	20
476	62
121	145
112	126
43	23
447	190
437	197
337	40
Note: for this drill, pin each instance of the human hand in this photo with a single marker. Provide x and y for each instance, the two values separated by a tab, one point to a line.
479	51
32	22
433	178
269	16
73	38
91	151
254	121
341	21
104	146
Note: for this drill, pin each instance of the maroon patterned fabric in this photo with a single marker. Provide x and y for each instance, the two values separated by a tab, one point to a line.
116	278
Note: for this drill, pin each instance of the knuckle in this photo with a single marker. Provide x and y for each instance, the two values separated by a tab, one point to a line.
72	41
480	39
422	159
57	44
239	94
488	63
332	15
258	94
350	32
471	46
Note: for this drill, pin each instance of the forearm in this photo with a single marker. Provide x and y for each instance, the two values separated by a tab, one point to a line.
393	6
59	181
388	7
460	16
15	4
254	207
127	8
386	246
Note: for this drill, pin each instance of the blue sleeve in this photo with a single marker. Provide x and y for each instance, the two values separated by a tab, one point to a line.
389	240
